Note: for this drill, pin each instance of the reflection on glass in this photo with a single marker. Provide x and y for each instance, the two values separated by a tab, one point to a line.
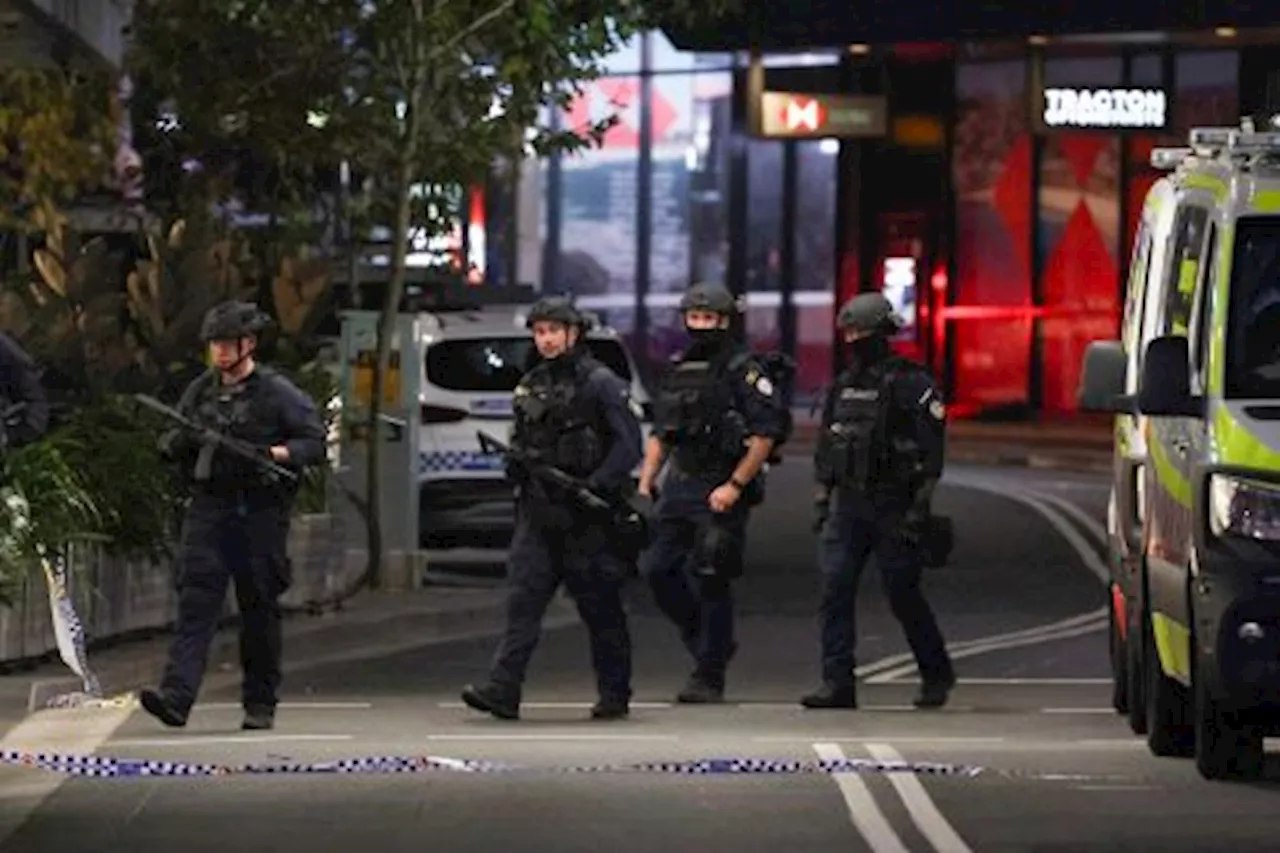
991	162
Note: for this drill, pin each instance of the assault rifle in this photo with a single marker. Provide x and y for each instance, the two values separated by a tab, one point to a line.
211	440
627	517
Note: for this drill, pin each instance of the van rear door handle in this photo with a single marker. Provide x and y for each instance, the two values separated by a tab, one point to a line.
1181	446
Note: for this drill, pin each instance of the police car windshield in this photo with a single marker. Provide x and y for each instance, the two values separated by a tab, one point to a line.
1253	334
496	364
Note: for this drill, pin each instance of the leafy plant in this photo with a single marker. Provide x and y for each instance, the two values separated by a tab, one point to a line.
45	502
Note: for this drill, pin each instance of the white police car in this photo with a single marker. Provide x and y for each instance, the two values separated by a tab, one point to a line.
472	362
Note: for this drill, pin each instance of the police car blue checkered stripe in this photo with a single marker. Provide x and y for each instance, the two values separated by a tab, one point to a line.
458	460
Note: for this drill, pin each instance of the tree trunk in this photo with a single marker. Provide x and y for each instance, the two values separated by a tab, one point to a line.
386	328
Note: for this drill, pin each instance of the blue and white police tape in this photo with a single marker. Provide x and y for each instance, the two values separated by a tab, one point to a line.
105	766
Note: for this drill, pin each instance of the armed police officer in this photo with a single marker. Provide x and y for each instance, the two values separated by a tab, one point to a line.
575	417
878	459
238	519
716	418
23	403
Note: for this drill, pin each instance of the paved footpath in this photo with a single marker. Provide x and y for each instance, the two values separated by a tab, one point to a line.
1027	757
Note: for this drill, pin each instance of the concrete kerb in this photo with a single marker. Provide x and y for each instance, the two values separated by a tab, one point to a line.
312	641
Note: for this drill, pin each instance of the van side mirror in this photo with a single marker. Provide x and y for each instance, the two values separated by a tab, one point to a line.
1102	379
1165	387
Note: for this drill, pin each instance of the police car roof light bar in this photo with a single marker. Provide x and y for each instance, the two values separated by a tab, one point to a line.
1169	158
1233	142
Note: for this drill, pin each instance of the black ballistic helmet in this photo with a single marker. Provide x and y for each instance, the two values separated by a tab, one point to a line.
706	296
555	309
869	313
233	320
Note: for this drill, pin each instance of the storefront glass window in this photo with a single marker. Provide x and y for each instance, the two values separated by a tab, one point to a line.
815	264
988	323
1079	237
690	221
598	205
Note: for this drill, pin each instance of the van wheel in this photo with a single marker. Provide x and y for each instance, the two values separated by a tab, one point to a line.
1224	748
1168	734
1119	665
1135	673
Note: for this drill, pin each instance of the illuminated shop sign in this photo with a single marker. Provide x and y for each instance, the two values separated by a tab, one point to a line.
1105	108
791	115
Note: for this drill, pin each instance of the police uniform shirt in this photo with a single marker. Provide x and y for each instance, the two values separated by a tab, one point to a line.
758	401
622	416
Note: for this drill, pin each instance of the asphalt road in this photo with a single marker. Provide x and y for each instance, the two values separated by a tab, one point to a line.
1059	771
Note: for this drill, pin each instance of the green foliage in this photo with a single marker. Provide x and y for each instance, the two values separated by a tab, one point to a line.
45	500
56	140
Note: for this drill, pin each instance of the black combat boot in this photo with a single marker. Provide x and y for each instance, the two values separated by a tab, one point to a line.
610	708
700	690
935	691
162	708
492	699
831	696
259	718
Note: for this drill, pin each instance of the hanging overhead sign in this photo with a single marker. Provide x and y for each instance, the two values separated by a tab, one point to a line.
793	115
1104	108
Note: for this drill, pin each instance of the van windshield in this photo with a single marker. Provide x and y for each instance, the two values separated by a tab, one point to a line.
495	365
1253	331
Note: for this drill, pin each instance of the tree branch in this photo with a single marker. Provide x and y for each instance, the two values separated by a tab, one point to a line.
472	28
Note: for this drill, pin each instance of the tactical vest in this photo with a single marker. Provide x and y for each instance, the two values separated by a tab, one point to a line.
238	411
694	415
853	450
554	420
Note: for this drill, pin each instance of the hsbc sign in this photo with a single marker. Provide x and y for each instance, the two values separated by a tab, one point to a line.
806	116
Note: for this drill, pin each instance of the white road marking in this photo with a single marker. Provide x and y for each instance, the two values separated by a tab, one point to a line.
1116	788
284	706
554	737
795	706
1016	682
1091	524
222	740
922	740
924	812
889	675
561	706
1077	710
78	731
867	817
1088	556
897	660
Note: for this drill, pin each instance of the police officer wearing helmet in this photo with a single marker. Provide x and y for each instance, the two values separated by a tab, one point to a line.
238	519
23	403
878	459
574	414
716	418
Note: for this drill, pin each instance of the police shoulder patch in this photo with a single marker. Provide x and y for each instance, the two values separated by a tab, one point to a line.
636	408
764	386
938	410
520	391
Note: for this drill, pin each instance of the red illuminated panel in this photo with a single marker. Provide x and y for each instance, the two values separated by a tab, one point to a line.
993	179
1080	219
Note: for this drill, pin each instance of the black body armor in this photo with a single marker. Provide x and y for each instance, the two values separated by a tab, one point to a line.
554	422
694	415
856	448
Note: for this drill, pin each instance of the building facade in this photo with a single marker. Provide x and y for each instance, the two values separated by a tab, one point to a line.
997	218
